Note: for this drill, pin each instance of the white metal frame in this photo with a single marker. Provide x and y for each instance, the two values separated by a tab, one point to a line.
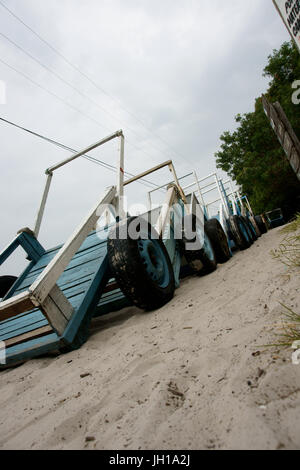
173	192
164	186
44	292
212	186
49	172
234	195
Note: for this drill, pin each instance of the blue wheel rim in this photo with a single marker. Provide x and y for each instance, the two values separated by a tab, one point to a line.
155	262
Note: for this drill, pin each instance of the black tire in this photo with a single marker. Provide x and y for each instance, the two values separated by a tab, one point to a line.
206	255
240	232
142	267
251	230
261	225
6	283
255	226
218	239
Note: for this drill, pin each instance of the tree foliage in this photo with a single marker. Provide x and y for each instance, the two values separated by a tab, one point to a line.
252	155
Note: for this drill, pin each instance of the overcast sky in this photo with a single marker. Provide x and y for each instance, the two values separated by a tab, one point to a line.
183	68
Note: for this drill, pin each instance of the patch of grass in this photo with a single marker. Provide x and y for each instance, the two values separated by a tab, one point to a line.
289	328
288	251
293	226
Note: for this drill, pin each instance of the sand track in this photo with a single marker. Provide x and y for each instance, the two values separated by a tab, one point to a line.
183	377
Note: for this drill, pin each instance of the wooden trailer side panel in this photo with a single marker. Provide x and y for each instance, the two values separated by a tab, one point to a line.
82	284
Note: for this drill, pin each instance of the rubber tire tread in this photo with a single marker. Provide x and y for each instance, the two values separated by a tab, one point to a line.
218	240
130	273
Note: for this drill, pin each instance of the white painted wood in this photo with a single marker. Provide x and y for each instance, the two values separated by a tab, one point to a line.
173	171
165	211
148	172
170	182
15	305
206	177
49	173
223	218
14	300
120	182
221	195
41	210
54	315
83	152
61	301
48	278
249	206
213	202
199	189
162	187
149	201
233	205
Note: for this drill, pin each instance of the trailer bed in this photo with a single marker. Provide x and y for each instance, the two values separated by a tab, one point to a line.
83	283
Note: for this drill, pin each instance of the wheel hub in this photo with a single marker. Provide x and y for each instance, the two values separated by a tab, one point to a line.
153	261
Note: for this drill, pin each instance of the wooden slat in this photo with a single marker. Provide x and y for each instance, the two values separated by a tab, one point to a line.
295	161
57	309
288	127
91	250
88	245
148	172
287	145
16	305
81	265
285	133
45	330
54	316
61	301
111	288
22	329
112	297
44	284
164	215
22	319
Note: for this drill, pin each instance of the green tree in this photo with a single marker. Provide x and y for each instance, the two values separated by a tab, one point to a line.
252	155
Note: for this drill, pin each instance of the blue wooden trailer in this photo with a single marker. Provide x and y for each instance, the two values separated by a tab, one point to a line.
235	217
275	218
241	223
130	261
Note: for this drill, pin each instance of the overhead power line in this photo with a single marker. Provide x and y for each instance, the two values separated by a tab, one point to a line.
70	85
53	94
65	147
87	77
68	104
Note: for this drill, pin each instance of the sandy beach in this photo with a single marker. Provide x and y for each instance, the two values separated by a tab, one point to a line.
192	375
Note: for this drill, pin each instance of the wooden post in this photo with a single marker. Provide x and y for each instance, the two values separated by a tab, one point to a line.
120	181
285	133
